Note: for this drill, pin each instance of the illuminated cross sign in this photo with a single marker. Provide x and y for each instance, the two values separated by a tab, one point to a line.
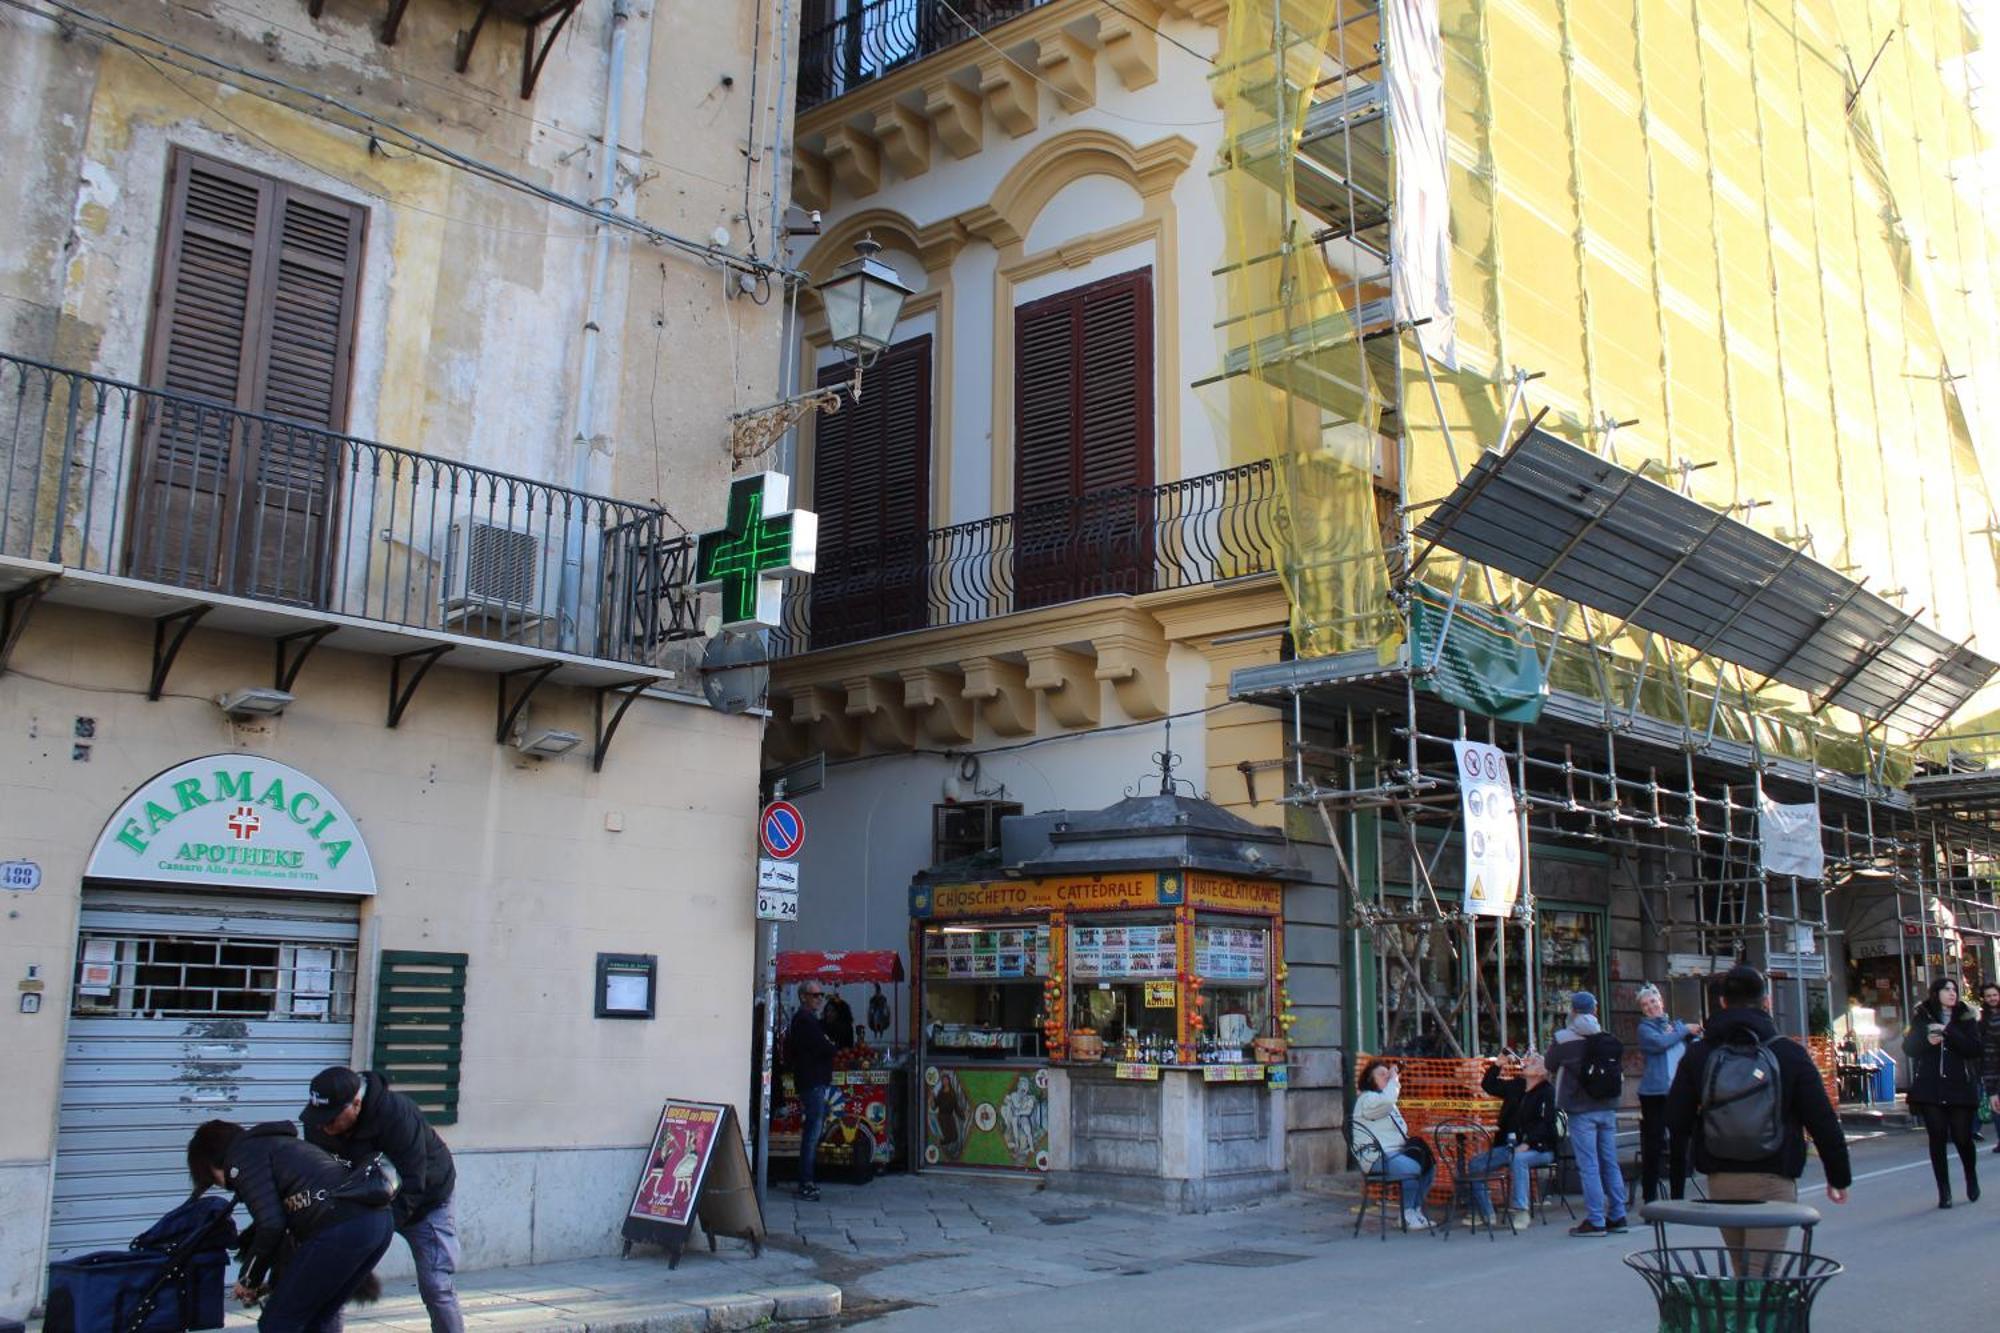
244	823
760	538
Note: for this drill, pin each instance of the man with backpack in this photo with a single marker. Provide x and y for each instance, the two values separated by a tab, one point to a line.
1586	1063
1745	1098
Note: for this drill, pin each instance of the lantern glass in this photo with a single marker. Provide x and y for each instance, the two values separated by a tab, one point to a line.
863	301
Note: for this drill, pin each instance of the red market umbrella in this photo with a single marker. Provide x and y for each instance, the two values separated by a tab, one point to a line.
839	966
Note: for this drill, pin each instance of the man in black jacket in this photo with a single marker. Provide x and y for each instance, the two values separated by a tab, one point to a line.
1806	1110
357	1116
810	1052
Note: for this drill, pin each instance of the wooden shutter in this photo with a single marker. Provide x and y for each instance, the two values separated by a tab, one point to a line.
420	1028
871	489
1083	442
255	312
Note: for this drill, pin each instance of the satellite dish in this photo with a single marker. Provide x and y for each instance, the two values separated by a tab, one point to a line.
736	670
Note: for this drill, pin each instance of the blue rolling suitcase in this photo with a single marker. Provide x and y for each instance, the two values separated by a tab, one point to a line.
170	1281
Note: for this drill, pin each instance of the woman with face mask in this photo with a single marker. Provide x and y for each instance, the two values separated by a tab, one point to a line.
1944	1049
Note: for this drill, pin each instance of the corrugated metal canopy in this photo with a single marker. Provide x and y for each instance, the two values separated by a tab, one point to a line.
1602	535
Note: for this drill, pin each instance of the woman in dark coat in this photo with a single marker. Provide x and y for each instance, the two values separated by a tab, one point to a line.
1943	1047
293	1190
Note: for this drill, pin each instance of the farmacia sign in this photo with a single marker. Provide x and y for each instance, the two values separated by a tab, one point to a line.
235	821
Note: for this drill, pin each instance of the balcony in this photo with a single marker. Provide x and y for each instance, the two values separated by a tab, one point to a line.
1128	540
874	38
144	501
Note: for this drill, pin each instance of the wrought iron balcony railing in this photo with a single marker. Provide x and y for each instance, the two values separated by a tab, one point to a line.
871	39
110	478
1122	540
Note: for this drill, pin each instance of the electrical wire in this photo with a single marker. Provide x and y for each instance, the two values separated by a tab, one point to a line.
974	29
123	36
1157	31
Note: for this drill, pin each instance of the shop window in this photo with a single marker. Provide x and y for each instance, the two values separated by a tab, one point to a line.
420	1028
1122	986
871	489
1083	442
967	828
207	976
254	314
983	991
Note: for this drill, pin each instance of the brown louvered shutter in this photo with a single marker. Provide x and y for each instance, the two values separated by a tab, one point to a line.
255	311
871	489
1083	442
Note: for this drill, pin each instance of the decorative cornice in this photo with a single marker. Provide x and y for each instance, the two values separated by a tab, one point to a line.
1000	688
812	180
905	136
1131	43
856	159
957	114
938	697
878	705
1011	93
1069	65
1136	666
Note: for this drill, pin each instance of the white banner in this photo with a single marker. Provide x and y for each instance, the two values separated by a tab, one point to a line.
1492	828
1421	221
1788	838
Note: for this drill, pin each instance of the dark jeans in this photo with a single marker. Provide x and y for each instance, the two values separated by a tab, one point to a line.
1955	1123
1655	1143
324	1272
434	1245
812	1101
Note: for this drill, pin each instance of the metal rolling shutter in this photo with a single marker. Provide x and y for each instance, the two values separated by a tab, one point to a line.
143	1066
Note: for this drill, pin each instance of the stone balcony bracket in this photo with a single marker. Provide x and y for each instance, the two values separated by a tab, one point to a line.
905	136
823	711
955	114
1131	43
878	705
856	159
1137	669
1067	682
1012	94
1000	689
1069	65
938	700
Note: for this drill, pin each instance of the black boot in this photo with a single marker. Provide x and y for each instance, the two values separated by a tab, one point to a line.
1971	1188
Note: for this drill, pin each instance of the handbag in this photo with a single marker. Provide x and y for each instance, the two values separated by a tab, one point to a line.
367	1185
1420	1152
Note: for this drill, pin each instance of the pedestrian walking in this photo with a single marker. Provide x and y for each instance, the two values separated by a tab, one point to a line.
1663	1041
1586	1064
810	1052
1389	1145
337	1219
358	1116
1527	1136
1989	1052
1944	1049
1744	1100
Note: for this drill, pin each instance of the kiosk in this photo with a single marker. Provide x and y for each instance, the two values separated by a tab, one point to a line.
1109	1010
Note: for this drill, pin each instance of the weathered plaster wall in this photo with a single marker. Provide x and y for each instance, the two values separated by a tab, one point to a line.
478	849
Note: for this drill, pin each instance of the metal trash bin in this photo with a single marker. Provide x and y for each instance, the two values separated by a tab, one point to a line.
1698	1287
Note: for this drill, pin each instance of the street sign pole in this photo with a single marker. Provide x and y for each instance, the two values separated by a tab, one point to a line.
767	1040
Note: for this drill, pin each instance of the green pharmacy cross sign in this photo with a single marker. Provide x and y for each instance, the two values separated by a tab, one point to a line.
761	542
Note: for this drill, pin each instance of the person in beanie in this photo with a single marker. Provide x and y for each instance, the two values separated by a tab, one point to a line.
1593	1120
1745	1019
357	1116
810	1051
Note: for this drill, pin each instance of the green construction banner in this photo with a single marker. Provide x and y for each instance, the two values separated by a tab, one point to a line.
1489	664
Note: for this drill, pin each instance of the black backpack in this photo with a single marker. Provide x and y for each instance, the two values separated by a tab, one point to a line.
1743	1100
1601	1073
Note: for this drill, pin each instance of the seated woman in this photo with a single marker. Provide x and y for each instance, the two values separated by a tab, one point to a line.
1525	1139
294	1190
1384	1139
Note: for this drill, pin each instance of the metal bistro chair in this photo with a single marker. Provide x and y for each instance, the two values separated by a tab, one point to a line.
1461	1142
1364	1150
1546	1181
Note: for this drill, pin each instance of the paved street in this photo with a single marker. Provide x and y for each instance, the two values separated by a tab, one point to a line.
974	1256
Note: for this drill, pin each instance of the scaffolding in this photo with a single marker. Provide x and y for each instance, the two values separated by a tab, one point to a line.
1353	130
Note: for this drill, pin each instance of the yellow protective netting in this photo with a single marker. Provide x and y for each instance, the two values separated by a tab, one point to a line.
1760	235
1297	384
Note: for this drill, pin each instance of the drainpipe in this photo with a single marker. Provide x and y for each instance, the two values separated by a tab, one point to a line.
593	318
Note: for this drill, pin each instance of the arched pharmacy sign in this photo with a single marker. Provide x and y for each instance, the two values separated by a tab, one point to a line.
235	821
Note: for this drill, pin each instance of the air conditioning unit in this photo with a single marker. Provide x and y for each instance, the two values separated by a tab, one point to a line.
492	570
965	828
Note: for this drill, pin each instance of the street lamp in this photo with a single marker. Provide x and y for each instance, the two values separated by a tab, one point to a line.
863	299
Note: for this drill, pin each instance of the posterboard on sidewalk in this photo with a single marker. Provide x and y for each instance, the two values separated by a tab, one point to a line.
696	1170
